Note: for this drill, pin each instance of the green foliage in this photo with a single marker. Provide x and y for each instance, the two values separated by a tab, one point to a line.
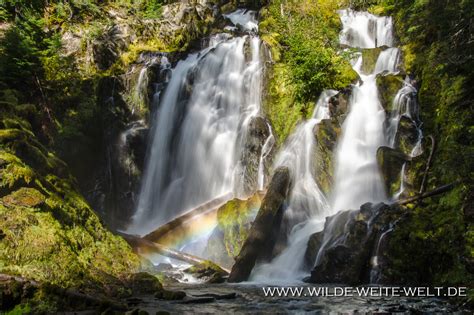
436	38
20	310
303	38
152	9
234	220
50	234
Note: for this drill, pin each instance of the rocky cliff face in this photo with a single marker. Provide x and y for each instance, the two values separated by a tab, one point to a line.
48	231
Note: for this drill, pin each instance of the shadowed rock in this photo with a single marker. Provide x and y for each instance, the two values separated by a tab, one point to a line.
350	240
262	235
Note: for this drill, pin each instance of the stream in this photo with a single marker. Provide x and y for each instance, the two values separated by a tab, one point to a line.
250	298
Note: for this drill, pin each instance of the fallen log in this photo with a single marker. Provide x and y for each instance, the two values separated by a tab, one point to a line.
205	208
428	165
143	246
262	234
437	191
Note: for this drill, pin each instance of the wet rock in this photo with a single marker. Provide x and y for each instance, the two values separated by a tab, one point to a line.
170	295
263	233
351	239
339	105
391	162
144	283
369	59
137	311
208	271
13	292
388	86
258	132
407	135
326	134
314	244
216	249
164	267
234	220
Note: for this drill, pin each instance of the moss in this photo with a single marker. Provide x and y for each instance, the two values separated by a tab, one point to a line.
20	309
388	86
25	197
234	220
304	46
326	134
209	271
49	232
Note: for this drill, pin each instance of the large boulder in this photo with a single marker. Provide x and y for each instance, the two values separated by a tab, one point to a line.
350	250
263	233
234	220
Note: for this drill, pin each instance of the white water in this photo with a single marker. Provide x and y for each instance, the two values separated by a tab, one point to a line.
245	18
307	205
198	131
364	30
357	175
266	150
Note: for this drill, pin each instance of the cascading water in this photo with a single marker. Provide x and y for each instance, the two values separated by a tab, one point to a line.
307	205
266	150
364	30
199	129
357	176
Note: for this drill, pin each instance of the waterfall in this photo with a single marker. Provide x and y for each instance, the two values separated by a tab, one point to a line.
364	30
266	150
199	128
307	205
357	176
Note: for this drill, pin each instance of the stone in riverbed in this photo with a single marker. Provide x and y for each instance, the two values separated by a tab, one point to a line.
263	233
208	271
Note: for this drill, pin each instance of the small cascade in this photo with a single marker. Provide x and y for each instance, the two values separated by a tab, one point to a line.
357	177
199	128
246	19
307	205
139	92
266	150
364	30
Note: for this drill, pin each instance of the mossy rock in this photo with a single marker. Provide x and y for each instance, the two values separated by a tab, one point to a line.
369	59
25	197
407	135
144	283
326	133
388	86
234	220
208	271
391	162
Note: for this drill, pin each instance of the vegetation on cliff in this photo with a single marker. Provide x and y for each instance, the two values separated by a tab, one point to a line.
48	233
434	242
304	40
